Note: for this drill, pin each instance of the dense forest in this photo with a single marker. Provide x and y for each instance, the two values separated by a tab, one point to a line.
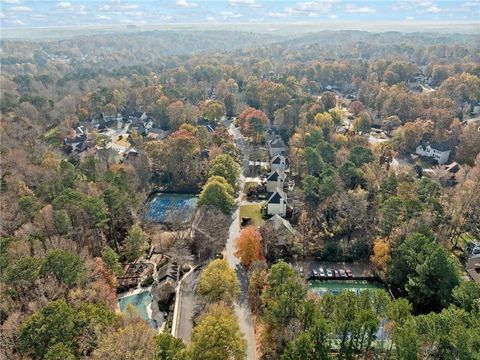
72	218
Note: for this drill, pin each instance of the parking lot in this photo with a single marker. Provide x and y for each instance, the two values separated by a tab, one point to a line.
312	269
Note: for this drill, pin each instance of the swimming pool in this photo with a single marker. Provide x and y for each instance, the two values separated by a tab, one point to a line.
171	208
141	301
322	287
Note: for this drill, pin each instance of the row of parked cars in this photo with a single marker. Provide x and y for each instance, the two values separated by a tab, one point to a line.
331	273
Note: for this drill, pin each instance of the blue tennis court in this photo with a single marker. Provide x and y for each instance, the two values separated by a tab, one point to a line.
171	208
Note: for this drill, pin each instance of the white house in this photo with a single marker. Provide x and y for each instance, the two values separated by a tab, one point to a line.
277	204
276	146
278	162
275	181
439	152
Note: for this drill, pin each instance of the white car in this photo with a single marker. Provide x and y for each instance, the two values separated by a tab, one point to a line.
322	272
329	273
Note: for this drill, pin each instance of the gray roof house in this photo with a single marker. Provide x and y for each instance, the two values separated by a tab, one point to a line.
276	146
473	268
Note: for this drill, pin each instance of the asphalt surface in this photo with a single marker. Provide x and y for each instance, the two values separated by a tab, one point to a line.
242	309
188	303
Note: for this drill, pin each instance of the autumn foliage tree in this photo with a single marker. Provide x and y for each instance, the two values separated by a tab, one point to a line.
356	107
219	283
249	246
252	122
381	255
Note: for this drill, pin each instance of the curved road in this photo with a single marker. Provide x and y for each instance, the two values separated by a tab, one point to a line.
242	309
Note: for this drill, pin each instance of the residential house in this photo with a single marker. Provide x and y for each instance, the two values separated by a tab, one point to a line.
275	181
270	134
473	268
278	162
447	174
138	116
472	249
437	151
276	146
211	126
284	230
77	141
276	203
142	124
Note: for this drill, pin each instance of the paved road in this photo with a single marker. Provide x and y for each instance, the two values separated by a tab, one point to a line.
242	310
188	303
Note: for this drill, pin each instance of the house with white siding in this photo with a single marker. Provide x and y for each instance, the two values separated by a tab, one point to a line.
275	181
276	204
437	151
278	162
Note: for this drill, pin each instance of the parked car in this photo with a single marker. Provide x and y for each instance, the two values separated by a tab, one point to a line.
342	273
335	272
322	272
329	273
349	273
315	273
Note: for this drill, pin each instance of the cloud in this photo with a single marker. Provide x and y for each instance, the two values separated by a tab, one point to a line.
471	4
229	14
278	14
318	6
127	7
64	5
14	22
251	3
102	17
185	4
409	18
306	8
20	9
333	16
67	6
434	9
10	2
359	10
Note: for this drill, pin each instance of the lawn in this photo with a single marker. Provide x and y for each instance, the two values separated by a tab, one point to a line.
252	211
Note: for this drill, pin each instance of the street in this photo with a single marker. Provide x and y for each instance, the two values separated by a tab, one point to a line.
188	303
242	309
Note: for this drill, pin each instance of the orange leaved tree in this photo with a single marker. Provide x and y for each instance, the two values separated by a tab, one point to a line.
249	247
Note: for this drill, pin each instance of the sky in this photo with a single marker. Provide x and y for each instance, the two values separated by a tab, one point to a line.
48	13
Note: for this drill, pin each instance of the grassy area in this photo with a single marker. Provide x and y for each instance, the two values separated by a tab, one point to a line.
252	211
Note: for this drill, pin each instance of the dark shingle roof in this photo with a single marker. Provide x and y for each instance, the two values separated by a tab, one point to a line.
440	146
276	198
273	176
278	159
